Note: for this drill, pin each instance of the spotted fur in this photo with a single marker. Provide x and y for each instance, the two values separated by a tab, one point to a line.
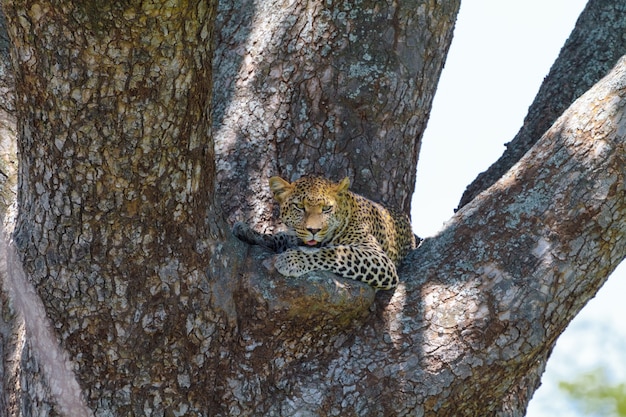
334	229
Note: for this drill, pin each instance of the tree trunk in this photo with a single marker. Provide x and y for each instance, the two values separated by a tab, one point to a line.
469	331
137	301
334	88
117	224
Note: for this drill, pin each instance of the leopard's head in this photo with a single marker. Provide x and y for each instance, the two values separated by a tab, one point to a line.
313	207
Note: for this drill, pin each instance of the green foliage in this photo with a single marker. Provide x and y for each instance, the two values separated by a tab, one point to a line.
596	395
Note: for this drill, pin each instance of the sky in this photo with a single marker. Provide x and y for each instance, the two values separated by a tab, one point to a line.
500	54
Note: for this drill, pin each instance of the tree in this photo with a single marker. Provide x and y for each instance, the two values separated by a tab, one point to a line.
588	54
125	186
596	394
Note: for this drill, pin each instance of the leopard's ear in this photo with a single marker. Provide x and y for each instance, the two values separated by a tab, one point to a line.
343	185
280	188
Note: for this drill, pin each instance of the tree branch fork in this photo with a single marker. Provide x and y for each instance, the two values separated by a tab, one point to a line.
499	283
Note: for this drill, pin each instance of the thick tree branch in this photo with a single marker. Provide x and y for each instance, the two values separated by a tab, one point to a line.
528	254
484	301
333	88
592	49
512	269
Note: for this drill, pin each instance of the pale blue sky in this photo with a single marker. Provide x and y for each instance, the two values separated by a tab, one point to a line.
500	54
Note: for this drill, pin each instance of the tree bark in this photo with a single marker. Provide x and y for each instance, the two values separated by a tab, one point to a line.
115	192
592	49
537	246
8	144
334	88
135	299
470	330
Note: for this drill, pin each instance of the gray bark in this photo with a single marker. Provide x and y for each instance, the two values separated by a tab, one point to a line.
592	49
155	309
470	330
333	88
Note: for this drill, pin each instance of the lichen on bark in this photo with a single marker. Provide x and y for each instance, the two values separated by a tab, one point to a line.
162	312
332	88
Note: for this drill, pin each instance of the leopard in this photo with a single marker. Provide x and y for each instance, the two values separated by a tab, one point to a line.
333	229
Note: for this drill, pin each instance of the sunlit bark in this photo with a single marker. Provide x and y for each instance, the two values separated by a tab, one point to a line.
592	49
136	300
338	88
469	331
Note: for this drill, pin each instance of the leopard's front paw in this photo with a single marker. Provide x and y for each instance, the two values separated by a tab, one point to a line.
241	230
245	233
290	263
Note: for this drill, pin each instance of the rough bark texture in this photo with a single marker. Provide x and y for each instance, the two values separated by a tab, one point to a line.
470	330
8	144
136	301
11	327
339	88
593	48
116	181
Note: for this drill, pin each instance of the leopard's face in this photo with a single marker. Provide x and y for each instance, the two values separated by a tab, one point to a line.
312	207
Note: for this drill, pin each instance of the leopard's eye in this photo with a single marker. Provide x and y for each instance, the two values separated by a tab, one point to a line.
327	209
298	206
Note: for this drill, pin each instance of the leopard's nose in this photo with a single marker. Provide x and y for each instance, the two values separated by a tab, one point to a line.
313	231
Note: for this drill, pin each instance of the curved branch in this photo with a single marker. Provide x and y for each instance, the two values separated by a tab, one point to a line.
594	46
484	301
515	266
